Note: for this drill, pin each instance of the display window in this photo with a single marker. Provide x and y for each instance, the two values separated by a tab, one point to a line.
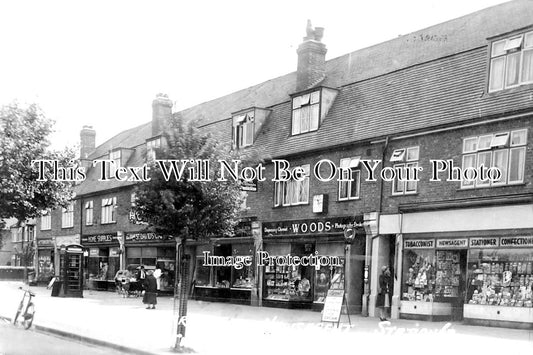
418	275
45	265
242	278
137	256
98	264
328	278
501	277
277	278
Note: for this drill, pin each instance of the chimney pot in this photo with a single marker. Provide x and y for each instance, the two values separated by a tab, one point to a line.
311	59
161	112
87	141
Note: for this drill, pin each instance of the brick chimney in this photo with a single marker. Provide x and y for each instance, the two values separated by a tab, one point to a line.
311	59
161	112
87	141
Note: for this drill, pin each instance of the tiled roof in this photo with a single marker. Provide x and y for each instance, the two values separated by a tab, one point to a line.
431	77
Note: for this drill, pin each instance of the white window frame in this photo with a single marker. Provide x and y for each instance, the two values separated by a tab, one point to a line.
67	216
503	146
290	193
46	220
501	52
350	175
108	214
305	112
406	158
89	213
244	129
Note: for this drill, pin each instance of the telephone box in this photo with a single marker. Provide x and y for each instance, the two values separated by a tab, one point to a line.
71	271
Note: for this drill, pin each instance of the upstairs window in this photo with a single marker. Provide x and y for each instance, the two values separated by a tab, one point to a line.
350	179
406	162
46	220
292	192
109	210
89	213
115	157
511	62
67	216
243	130
151	147
505	151
305	112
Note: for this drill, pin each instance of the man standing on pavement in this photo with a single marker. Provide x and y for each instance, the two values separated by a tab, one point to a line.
141	274
150	290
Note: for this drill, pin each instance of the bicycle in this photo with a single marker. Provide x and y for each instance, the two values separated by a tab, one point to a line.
26	309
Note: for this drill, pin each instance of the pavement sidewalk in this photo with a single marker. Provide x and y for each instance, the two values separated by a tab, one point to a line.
107	319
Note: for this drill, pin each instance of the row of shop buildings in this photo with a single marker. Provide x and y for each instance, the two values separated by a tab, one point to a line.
449	98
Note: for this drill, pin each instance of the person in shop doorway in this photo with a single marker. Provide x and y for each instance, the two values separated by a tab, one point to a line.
384	293
150	290
141	274
157	275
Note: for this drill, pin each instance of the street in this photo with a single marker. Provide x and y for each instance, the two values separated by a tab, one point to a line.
16	340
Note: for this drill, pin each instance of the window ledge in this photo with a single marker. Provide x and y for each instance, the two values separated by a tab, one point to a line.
405	194
114	222
349	199
514	89
522	184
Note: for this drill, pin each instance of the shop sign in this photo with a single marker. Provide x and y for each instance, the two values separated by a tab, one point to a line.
67	240
516	241
146	237
249	185
419	243
94	252
45	243
485	242
309	226
333	306
135	218
114	252
99	239
452	243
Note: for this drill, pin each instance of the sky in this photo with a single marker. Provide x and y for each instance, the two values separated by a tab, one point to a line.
101	63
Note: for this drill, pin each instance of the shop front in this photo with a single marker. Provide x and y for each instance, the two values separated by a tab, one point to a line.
152	251
224	270
103	260
45	260
306	258
484	280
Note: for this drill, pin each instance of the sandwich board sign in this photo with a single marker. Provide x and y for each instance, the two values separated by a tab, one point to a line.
333	306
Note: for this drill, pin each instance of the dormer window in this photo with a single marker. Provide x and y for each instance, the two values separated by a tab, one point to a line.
243	129
114	156
511	62
151	147
305	112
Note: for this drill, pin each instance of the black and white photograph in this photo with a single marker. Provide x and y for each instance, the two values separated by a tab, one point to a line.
281	177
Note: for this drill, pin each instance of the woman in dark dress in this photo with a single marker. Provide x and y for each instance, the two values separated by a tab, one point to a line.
150	290
384	294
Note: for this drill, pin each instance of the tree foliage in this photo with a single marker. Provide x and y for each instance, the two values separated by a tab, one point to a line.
24	135
192	209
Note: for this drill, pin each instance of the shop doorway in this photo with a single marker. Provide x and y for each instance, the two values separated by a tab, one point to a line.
450	279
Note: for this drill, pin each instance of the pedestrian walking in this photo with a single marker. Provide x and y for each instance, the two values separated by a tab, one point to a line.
150	290
384	292
157	275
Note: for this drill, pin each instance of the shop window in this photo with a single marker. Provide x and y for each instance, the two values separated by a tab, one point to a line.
222	274
202	273
328	278
89	213
350	179
67	216
109	206
243	130
505	151
46	220
418	275
500	277
292	192
305	112
406	162
98	264
137	256
242	278
511	62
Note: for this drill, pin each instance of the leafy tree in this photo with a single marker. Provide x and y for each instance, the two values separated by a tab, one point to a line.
24	135
191	210
24	138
